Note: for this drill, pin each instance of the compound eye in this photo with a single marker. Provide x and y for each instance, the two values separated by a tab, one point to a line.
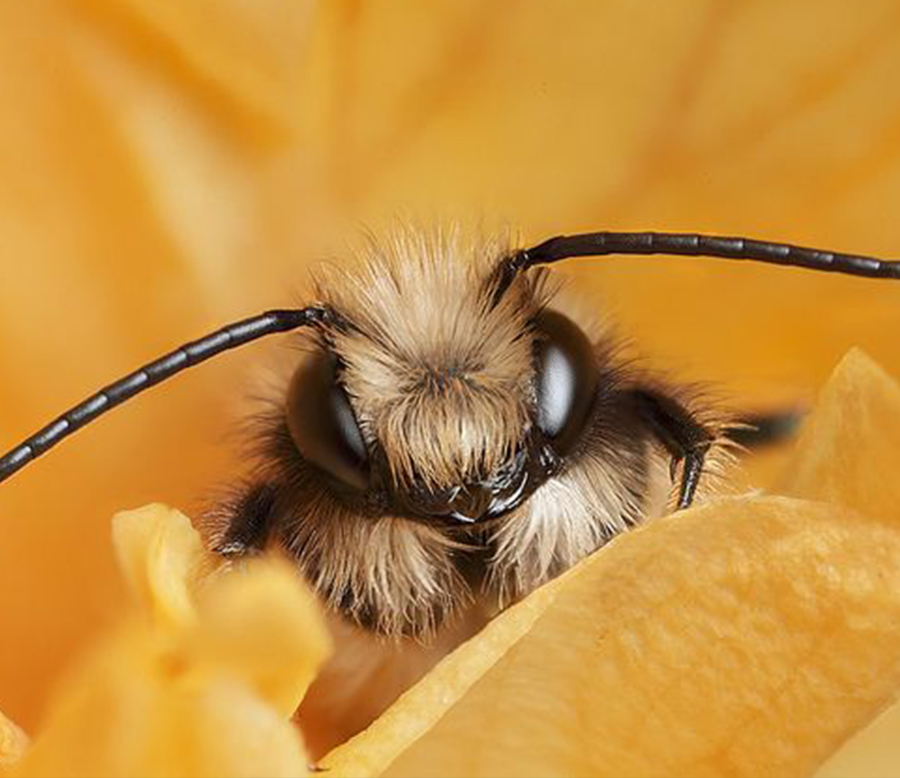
566	379
322	424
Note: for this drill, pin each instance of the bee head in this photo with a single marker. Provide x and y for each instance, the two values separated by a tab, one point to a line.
452	400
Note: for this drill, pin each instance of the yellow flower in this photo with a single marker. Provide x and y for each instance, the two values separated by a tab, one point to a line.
168	165
750	636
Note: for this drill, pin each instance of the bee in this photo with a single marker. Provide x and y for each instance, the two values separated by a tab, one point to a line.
453	435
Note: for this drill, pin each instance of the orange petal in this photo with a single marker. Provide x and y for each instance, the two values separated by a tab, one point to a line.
241	60
747	637
372	750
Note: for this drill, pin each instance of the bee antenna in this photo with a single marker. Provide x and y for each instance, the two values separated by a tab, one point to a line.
155	372
692	245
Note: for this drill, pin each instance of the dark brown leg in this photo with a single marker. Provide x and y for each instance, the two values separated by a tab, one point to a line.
683	436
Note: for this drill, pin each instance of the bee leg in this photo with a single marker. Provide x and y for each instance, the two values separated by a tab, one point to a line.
249	519
683	436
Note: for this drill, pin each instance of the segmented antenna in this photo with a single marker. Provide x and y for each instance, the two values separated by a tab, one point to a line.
190	354
596	244
553	250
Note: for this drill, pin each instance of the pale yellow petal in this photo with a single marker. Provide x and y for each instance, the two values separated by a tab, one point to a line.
262	623
140	707
206	687
873	752
162	558
13	742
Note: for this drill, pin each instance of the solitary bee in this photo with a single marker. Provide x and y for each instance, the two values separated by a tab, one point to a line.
452	436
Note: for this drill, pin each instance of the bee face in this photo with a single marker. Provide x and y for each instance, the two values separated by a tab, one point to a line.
440	379
439	444
458	406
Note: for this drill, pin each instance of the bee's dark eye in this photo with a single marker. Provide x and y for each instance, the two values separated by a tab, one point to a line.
322	423
566	379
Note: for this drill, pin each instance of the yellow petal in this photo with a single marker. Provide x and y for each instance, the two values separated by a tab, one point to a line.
372	750
139	707
207	687
162	558
13	742
257	620
747	637
849	449
849	453
262	623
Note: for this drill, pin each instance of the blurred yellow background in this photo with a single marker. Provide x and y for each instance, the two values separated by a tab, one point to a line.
169	165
